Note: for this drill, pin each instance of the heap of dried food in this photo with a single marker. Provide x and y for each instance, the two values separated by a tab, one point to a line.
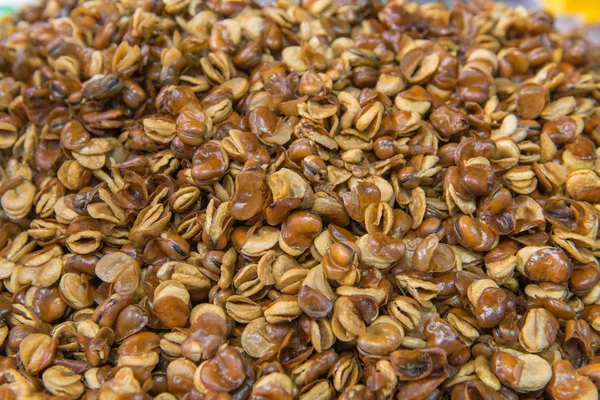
274	200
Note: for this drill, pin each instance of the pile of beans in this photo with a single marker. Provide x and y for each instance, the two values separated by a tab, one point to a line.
310	199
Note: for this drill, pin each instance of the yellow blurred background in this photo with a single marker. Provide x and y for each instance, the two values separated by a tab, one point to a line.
587	10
